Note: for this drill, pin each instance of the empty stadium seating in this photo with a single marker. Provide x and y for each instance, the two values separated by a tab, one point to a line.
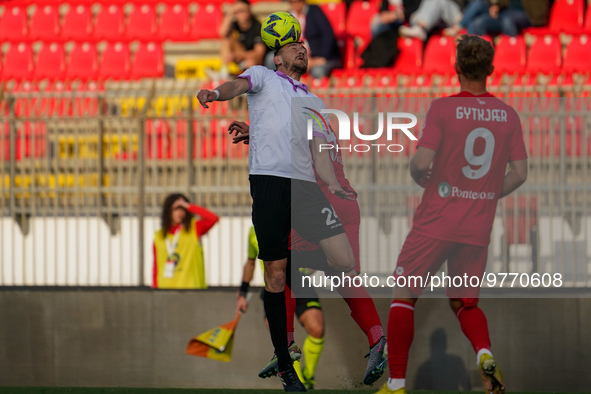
13	24
545	55
44	24
18	62
114	63
440	56
82	63
51	62
174	23
510	55
410	59
148	62
77	24
109	23
141	23
577	55
206	21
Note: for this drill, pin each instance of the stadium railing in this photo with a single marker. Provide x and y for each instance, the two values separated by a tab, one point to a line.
84	170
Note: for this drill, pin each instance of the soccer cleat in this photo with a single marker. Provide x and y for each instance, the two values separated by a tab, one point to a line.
491	375
271	368
308	381
291	382
376	364
387	390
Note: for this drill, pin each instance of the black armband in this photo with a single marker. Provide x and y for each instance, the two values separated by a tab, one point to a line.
244	288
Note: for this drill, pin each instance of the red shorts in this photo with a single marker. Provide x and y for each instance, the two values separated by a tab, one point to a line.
422	256
349	215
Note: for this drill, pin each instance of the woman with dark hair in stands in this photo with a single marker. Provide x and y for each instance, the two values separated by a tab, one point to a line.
178	256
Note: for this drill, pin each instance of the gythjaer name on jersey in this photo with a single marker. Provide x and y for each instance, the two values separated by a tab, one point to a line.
481	114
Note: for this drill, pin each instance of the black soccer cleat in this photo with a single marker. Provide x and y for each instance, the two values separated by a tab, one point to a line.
291	382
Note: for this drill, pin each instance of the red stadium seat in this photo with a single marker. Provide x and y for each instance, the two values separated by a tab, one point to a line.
141	24
440	56
82	63
44	24
565	16
336	13
13	24
510	55
577	55
174	23
148	62
51	62
206	21
545	55
18	62
109	23
114	62
77	24
359	18
410	59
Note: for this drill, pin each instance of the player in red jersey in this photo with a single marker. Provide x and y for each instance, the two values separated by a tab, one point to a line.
309	255
461	160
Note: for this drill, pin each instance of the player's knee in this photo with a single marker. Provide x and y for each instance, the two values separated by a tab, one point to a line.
458	303
275	279
316	331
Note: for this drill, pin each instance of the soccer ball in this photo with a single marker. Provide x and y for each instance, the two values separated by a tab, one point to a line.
279	29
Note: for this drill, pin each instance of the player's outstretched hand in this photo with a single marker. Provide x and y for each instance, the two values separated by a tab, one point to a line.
241	304
338	191
241	130
205	96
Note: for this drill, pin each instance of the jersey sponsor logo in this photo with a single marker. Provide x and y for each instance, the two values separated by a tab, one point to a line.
471	195
444	189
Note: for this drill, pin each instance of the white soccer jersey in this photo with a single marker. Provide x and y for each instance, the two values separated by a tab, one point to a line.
273	148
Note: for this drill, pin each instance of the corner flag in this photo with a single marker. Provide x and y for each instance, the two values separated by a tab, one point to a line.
215	343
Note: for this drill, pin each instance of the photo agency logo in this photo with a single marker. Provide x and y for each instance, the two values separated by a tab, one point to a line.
392	125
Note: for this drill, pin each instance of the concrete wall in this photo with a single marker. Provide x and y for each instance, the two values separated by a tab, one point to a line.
137	337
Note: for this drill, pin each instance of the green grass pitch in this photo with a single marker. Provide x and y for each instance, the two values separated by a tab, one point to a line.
123	390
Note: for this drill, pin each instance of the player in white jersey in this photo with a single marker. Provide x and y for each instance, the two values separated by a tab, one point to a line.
282	183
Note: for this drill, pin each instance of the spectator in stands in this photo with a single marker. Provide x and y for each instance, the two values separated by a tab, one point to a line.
390	17
318	37
178	256
428	16
493	17
242	43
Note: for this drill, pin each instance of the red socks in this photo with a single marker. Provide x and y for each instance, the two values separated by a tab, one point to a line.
363	311
401	327
475	327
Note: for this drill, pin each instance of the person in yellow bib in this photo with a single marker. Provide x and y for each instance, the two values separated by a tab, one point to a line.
178	255
308	311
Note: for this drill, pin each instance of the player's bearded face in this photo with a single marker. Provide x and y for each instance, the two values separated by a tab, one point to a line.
295	58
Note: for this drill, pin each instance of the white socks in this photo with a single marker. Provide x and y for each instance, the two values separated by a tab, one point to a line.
480	353
395	384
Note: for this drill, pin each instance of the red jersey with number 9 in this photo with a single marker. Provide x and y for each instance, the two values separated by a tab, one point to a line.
474	138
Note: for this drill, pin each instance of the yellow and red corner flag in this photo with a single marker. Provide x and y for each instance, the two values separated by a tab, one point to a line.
215	343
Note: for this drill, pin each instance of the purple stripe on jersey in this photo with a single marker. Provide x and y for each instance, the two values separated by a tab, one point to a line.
247	77
319	135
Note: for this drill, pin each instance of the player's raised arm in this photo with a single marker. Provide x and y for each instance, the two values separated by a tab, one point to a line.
325	169
226	91
515	177
420	165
